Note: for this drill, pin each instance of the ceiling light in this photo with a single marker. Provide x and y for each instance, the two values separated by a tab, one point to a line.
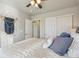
38	1
36	5
32	2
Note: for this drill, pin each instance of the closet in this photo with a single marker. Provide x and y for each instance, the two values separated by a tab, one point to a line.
63	24
57	25
50	26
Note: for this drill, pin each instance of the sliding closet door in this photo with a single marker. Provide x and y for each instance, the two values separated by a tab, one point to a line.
63	24
50	27
42	29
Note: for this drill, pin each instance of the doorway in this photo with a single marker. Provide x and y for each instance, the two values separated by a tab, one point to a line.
36	28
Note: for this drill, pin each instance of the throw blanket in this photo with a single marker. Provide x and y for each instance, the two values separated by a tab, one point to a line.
31	48
23	48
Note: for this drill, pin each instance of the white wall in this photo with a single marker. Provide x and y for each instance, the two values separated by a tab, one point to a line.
42	28
19	17
28	28
78	14
72	10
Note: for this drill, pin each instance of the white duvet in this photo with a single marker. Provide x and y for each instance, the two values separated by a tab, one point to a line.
31	48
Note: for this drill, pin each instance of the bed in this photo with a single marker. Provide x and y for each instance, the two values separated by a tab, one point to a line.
31	48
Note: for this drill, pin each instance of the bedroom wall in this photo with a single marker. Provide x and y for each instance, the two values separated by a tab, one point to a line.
19	17
72	10
28	28
78	14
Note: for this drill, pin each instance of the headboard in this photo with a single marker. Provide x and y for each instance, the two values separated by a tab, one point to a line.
72	30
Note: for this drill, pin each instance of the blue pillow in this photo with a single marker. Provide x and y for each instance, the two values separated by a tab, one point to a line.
64	34
61	45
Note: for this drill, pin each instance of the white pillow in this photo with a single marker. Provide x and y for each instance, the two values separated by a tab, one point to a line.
74	49
48	42
45	45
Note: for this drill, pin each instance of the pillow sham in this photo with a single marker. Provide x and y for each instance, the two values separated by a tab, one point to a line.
74	49
64	34
48	42
61	45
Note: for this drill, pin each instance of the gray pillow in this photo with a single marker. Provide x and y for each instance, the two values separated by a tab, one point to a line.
61	45
64	34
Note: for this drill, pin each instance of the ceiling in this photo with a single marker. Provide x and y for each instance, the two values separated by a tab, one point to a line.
48	5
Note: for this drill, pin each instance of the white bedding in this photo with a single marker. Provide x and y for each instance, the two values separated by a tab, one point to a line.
31	48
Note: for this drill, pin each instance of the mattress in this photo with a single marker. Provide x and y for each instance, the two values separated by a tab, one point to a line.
31	48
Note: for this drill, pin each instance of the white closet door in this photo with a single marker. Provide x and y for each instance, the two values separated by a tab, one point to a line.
42	28
63	24
50	27
28	27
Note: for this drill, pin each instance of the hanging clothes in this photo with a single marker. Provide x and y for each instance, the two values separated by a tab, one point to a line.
9	25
